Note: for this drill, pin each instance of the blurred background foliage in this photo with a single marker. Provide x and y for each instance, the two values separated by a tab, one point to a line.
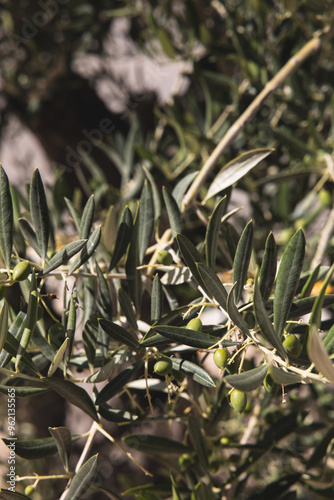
234	48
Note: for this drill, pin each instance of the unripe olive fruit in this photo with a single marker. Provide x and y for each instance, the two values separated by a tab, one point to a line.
220	358
292	345
163	367
238	400
195	324
21	271
165	258
29	490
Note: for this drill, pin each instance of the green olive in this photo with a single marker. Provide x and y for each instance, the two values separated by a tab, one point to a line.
163	366
220	358
21	271
195	324
29	490
165	258
238	400
292	345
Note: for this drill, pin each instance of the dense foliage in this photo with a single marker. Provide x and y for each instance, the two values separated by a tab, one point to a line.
194	334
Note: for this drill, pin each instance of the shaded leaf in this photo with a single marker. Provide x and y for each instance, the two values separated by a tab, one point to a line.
249	380
83	479
3	324
24	391
73	394
74	213
89	338
181	187
114	415
33	449
235	170
191	257
10	495
118	333
39	213
63	440
241	260
276	488
156	299
329	340
212	232
268	267
264	322
197	440
147	443
63	256
146	220
6	219
198	374
315	318
127	308
87	251
133	274
173	212
123	237
321	449
311	280
283	377
213	284
287	279
185	336
116	384
86	222
235	316
156	195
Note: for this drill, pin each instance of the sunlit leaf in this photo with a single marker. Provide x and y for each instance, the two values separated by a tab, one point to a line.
146	220
241	260
118	333
287	279
133	274
63	256
87	250
235	170
181	187
58	358
83	479
186	336
86	222
318	354
212	232
197	372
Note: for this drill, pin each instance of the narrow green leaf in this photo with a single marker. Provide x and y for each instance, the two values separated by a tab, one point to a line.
127	308
213	284
283	377
89	338
39	213
87	251
30	322
235	170
123	237
181	187
113	415
6	219
70	329
74	213
212	232
83	479
186	336
156	299
235	316
318	354
86	222
304	306
156	195
189	368
102	374
249	380
268	267
191	257
241	260
133	274
104	303
24	391
118	333
173	212
3	324
264	322
63	256
287	279
307	288
198	441
276	488
146	220
73	394
116	384
34	449
29	235
148	443
63	440
10	495
329	340
58	358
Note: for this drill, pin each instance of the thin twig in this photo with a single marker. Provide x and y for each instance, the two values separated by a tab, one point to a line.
291	66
